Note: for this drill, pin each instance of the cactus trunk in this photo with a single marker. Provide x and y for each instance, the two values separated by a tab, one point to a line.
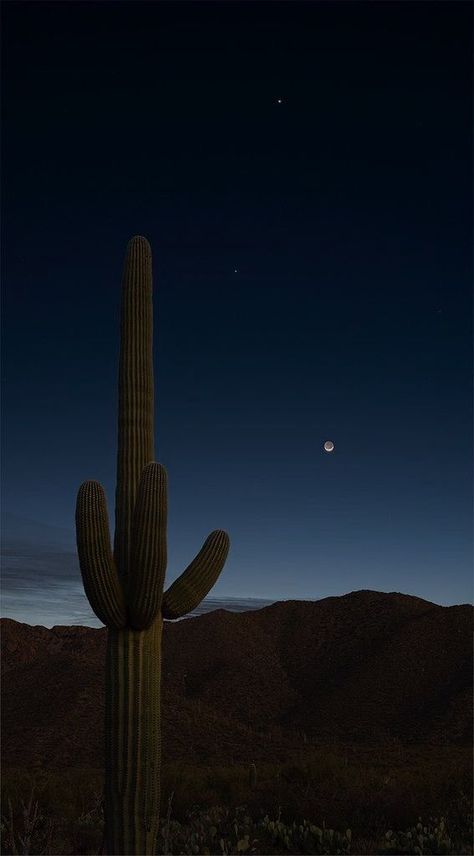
133	661
125	588
135	393
133	741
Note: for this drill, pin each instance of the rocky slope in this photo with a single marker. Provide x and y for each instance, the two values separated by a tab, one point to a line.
368	667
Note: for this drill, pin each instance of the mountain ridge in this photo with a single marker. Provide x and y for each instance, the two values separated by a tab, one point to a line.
366	666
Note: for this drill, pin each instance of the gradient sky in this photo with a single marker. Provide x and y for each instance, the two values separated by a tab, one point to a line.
312	281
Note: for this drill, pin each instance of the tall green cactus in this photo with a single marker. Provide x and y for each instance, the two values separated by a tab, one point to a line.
125	587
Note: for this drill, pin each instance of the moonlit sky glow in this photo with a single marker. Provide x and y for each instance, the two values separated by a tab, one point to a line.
312	279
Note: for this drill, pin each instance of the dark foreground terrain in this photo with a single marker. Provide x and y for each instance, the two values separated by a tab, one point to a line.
355	710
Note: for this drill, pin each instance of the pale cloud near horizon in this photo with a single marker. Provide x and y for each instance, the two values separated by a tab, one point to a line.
41	580
41	586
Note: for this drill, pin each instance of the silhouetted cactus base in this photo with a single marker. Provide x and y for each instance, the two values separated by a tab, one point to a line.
133	737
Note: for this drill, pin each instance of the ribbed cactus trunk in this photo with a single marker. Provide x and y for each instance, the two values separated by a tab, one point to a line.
125	589
132	689
133	739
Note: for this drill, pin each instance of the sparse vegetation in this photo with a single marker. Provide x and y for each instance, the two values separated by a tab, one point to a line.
323	806
221	830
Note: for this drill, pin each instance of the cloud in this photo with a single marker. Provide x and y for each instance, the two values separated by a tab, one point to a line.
42	584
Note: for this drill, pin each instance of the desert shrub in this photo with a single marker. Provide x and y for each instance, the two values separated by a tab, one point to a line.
307	837
221	830
366	793
224	831
431	837
26	829
218	830
63	793
61	815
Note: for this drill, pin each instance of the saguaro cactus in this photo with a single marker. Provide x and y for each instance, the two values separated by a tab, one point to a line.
125	587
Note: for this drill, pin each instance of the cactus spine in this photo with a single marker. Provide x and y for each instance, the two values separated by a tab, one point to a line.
125	586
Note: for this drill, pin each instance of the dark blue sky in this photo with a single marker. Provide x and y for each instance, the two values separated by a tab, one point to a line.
346	212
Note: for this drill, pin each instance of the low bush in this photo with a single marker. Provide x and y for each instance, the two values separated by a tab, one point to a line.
328	802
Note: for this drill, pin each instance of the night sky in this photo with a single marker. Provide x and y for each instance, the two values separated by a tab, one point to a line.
303	174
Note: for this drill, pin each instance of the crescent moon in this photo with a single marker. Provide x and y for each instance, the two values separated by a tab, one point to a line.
329	446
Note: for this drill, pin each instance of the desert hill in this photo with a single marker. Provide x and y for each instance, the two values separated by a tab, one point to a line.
367	667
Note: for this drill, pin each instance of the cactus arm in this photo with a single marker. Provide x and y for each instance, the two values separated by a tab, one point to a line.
101	583
148	555
187	592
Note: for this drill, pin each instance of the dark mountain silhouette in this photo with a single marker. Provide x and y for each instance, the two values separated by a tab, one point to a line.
368	667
